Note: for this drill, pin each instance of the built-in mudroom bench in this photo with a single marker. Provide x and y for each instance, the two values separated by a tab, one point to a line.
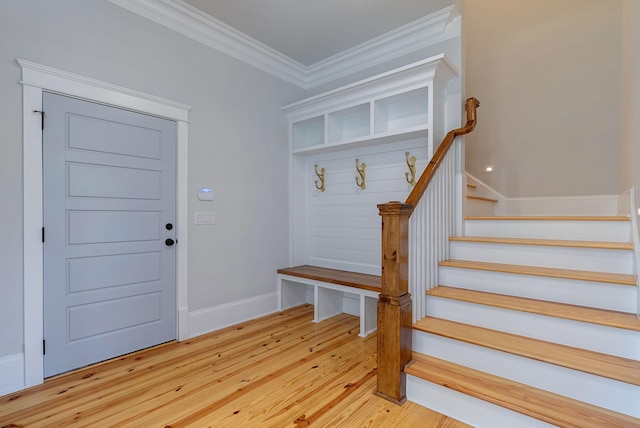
351	149
329	288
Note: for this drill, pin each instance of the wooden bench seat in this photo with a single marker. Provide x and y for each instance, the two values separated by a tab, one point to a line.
329	286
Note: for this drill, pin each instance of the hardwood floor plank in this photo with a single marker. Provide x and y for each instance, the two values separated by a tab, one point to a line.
285	365
302	390
175	393
364	411
130	368
276	371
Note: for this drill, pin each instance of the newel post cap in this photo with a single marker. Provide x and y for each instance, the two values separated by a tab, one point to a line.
395	208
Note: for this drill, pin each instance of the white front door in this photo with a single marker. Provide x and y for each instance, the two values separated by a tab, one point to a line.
109	217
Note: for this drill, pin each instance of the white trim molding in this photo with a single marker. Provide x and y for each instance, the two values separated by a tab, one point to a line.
36	79
211	319
191	22
635	238
419	34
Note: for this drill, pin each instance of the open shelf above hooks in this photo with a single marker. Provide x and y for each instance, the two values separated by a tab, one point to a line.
377	110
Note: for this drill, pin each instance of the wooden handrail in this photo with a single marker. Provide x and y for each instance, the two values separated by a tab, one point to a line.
394	303
421	186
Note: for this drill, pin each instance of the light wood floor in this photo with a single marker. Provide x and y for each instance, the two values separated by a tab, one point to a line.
278	371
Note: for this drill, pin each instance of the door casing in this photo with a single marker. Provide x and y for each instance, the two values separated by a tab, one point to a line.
35	79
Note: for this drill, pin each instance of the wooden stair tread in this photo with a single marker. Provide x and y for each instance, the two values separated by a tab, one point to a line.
481	198
536	403
471	185
582	275
603	317
546	242
551	217
609	366
335	276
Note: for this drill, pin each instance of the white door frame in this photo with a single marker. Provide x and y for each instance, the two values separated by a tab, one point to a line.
37	78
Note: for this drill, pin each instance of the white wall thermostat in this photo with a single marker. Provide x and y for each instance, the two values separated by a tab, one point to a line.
206	193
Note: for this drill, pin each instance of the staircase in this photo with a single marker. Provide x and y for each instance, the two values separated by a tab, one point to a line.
533	324
480	202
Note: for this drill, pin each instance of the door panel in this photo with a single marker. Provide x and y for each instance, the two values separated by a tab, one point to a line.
94	227
116	182
112	137
109	190
93	273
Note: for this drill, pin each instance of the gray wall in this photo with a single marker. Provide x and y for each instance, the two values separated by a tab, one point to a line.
547	74
237	140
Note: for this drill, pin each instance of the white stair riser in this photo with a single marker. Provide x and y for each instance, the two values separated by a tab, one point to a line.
590	259
614	231
584	293
614	395
608	340
467	409
476	207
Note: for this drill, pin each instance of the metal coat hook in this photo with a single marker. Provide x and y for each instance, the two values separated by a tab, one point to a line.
411	163
321	177
360	181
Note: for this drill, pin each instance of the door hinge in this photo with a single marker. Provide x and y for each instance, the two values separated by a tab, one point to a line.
41	118
43	234
44	347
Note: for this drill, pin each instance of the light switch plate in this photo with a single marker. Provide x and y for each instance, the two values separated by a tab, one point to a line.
205	217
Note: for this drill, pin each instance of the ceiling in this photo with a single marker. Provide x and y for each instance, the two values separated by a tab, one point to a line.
309	31
308	42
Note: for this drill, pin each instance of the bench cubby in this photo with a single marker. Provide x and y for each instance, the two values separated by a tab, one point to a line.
329	288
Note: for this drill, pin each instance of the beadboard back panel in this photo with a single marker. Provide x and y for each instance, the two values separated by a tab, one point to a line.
343	228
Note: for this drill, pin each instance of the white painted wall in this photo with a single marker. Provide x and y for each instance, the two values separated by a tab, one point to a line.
237	142
547	74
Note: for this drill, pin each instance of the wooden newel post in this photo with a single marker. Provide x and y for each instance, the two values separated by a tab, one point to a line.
394	303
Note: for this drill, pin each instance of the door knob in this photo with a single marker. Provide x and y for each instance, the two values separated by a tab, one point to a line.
169	242
168	226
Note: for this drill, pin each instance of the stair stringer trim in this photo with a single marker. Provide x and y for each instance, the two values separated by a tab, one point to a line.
635	239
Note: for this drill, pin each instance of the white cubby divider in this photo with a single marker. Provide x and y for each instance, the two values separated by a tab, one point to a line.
377	110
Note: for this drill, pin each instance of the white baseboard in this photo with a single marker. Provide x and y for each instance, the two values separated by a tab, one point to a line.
211	319
11	373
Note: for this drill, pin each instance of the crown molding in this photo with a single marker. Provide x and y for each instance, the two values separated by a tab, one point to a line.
419	34
189	21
